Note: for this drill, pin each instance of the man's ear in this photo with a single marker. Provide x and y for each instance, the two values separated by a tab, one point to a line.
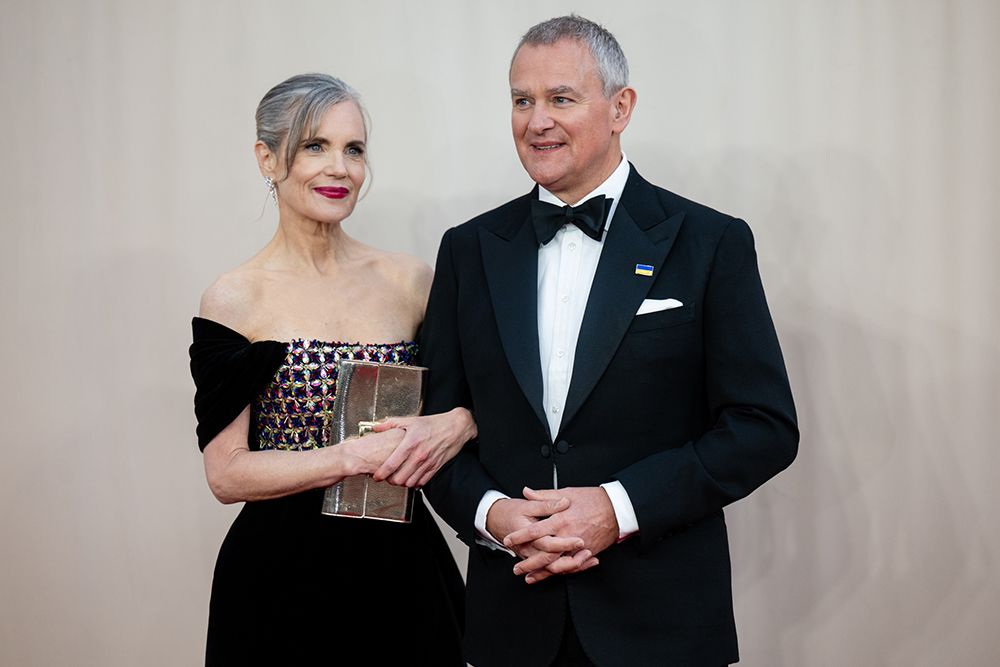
267	161
622	104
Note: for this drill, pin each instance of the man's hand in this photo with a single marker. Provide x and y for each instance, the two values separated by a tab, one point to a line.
589	517
509	515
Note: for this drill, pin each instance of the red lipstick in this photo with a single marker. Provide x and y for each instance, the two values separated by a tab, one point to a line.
331	192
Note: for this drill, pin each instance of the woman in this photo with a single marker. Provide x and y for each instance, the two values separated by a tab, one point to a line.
293	586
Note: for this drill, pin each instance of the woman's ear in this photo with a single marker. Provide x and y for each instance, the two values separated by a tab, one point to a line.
267	161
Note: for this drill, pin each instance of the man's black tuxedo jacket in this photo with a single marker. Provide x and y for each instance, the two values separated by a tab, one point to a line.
689	408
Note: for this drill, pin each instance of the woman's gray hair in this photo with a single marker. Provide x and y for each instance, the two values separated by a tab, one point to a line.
612	66
292	110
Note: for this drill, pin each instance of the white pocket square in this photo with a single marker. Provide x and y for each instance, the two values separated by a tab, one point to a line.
656	305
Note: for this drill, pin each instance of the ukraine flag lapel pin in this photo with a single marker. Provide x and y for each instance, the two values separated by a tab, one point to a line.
644	269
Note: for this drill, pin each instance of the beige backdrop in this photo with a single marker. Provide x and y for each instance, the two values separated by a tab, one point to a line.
860	140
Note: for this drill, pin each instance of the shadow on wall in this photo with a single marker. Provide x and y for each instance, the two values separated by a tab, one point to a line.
866	550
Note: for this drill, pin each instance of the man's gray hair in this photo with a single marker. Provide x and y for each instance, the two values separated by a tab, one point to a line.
612	66
293	109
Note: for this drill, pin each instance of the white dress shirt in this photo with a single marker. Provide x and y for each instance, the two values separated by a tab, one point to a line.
566	268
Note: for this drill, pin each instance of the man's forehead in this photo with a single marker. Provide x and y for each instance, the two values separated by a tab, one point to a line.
558	67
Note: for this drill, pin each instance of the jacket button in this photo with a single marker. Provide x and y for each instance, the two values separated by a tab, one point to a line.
562	446
546	451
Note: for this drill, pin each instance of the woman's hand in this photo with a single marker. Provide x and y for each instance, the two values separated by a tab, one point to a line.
364	455
236	474
430	442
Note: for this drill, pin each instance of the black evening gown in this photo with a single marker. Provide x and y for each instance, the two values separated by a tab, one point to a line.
293	586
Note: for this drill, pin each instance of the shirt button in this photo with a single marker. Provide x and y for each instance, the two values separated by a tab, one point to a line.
572	246
561	353
555	409
564	298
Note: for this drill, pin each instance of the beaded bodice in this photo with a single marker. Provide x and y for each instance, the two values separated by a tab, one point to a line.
288	414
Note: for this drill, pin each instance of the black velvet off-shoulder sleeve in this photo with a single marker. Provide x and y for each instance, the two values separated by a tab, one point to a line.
228	371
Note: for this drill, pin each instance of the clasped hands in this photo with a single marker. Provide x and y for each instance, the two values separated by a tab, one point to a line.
554	531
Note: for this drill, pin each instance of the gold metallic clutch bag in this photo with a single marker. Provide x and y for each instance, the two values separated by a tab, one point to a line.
368	392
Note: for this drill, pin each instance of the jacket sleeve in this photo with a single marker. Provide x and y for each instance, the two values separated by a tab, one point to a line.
753	433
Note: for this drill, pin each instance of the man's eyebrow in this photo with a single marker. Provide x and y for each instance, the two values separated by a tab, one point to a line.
558	90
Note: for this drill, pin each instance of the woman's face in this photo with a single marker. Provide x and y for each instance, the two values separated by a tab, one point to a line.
328	170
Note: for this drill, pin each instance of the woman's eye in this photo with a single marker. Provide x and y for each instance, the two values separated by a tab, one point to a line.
356	151
313	147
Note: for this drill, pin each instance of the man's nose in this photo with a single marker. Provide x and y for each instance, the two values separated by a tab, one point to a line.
540	119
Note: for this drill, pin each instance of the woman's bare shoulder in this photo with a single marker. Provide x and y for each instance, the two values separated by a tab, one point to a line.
230	298
408	273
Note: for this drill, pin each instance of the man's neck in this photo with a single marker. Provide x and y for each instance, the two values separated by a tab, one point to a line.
610	187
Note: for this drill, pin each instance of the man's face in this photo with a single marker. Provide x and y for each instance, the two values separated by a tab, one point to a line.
565	130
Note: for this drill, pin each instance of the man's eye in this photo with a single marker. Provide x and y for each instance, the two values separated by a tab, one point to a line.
562	100
521	102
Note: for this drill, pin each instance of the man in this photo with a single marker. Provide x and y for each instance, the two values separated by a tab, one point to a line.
626	381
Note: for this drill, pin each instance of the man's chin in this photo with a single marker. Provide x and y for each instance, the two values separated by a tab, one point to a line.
546	178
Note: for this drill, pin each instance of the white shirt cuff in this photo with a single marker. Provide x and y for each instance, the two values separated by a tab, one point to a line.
628	524
485	538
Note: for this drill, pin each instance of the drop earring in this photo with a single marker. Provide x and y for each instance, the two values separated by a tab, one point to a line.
272	189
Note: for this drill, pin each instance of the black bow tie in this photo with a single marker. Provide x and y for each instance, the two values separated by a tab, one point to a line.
589	217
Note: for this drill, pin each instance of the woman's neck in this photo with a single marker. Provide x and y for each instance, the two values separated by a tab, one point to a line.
307	245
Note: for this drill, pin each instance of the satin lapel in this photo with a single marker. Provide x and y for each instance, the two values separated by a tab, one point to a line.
615	297
511	266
